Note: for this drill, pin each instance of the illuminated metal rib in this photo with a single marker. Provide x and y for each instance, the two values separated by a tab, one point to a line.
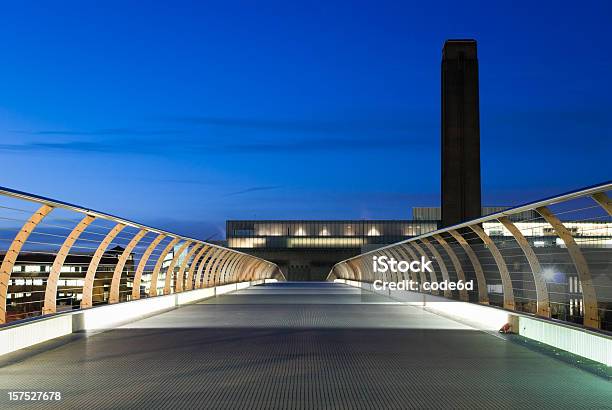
463	295
224	266
115	282
405	247
93	265
240	268
481	282
243	270
143	262
604	201
501	266
13	252
366	267
357	271
252	272
209	265
591	313
260	272
170	270
197	261
432	275
215	267
198	281
233	268
346	274
543	303
158	266
243	274
179	282
403	255
386	276
50	305
438	258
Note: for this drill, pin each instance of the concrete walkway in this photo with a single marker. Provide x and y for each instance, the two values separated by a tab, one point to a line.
299	346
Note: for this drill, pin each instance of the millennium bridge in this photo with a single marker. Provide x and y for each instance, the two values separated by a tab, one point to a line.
98	311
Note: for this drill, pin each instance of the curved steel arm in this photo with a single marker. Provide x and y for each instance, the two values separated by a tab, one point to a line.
604	201
209	265
414	257
114	288
432	275
483	294
179	282
58	262
501	266
543	303
463	295
143	262
93	265
591	313
199	280
13	252
441	264
170	270
158	266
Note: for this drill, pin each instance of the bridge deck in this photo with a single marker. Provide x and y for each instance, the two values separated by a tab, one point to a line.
296	346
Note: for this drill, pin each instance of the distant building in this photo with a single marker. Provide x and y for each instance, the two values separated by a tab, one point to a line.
31	270
306	250
435	213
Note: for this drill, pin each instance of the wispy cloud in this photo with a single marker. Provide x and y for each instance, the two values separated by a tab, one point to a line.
113	145
78	146
239	135
265	124
106	131
336	144
253	189
264	146
176	181
349	126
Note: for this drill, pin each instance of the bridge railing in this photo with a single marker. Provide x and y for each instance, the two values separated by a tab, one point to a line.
58	256
550	258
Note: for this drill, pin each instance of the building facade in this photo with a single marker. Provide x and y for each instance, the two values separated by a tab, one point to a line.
306	250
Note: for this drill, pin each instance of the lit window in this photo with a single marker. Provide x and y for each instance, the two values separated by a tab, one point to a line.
373	232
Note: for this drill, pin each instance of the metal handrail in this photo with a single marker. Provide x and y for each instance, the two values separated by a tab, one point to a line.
13	193
593	307
228	265
605	186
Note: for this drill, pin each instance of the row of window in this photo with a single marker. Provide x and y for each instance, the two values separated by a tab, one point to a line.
46	268
328	228
39	282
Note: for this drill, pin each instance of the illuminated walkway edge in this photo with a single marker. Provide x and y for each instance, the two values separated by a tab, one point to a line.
576	340
31	332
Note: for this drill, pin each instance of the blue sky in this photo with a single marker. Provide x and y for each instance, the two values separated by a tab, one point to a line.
185	114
